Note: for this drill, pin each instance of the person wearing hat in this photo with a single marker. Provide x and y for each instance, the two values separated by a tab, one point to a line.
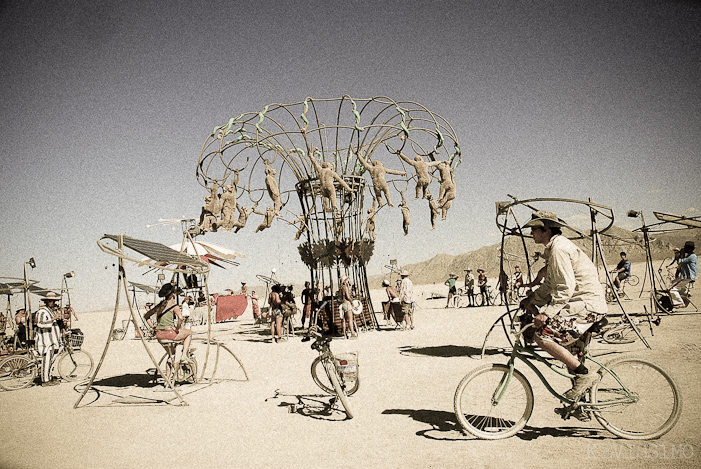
47	338
392	302
244	289
452	289
406	297
470	286
169	322
570	300
347	308
687	271
482	283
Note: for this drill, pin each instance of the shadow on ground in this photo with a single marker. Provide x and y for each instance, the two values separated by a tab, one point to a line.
444	426
449	351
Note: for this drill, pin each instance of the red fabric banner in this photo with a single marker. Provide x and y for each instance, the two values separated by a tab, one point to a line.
231	306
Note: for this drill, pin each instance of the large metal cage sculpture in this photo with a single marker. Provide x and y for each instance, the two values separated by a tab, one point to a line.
307	161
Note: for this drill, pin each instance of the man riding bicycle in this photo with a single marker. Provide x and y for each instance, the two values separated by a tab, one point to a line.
570	300
622	271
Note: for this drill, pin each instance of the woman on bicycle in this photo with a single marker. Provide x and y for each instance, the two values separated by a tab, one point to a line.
169	322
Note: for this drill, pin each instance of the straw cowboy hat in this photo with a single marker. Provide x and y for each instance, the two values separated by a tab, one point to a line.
51	296
343	279
404	273
452	275
385	283
543	218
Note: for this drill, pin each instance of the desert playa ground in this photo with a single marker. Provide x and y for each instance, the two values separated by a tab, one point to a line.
404	407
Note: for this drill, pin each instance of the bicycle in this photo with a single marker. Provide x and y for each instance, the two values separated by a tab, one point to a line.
182	371
491	297
624	332
72	363
633	281
340	373
633	399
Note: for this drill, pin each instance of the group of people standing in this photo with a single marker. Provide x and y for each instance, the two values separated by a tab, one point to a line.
505	282
400	305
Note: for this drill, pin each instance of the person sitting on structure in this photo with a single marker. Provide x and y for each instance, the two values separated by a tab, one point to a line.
622	271
687	271
169	323
570	300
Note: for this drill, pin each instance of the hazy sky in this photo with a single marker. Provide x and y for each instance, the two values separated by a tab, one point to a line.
105	107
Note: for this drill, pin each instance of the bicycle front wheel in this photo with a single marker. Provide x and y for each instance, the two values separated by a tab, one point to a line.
633	280
636	399
623	334
17	373
491	406
75	365
186	371
321	379
339	389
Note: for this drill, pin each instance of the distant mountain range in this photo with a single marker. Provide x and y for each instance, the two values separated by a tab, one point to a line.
614	240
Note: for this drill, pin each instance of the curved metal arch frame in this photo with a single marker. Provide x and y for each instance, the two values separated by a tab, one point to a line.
505	212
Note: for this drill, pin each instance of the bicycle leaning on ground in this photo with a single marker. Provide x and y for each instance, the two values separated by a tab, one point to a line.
73	364
633	398
336	375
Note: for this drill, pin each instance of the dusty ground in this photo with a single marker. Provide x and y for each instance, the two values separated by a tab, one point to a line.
404	414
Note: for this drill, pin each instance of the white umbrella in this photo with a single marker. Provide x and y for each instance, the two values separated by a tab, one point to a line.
208	252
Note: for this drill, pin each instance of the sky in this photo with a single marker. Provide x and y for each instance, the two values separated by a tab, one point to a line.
106	105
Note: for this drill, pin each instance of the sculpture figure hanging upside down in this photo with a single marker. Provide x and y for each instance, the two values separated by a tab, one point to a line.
405	214
244	213
273	188
377	172
448	189
268	220
326	180
433	206
423	179
212	204
371	221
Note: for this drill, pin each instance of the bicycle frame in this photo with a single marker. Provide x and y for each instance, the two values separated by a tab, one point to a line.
528	354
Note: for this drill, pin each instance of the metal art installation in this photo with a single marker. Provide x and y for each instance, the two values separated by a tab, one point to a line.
321	150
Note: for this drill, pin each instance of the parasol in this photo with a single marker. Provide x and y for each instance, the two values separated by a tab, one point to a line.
208	252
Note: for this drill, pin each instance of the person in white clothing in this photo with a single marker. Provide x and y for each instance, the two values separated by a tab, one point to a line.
47	338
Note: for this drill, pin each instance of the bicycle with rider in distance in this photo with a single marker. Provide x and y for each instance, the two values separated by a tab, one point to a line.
633	398
72	363
334	374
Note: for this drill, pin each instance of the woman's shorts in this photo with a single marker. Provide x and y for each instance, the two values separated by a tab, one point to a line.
277	313
166	334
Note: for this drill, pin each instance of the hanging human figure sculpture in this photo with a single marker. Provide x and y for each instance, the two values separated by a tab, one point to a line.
433	206
406	215
208	221
244	213
273	188
447	190
302	220
269	215
227	202
326	180
423	179
377	173
371	221
213	203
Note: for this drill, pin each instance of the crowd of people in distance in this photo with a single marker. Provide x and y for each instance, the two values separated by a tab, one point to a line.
505	283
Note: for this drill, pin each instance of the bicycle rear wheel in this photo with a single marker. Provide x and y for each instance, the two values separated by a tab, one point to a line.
75	365
321	379
636	399
339	389
490	408
623	334
17	372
